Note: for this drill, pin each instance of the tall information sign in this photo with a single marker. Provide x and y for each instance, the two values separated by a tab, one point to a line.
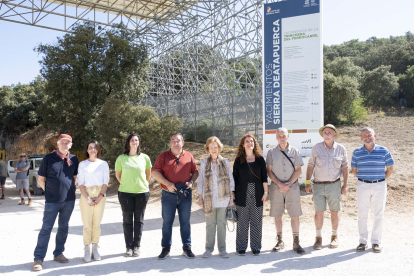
292	72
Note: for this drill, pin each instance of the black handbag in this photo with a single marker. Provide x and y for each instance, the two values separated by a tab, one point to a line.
231	215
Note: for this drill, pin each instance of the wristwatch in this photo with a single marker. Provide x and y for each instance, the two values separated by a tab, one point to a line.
192	182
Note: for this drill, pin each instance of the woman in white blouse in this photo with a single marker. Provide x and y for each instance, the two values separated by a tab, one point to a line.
93	178
215	189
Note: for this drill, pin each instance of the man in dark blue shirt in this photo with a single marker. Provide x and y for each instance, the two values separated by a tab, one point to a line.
57	177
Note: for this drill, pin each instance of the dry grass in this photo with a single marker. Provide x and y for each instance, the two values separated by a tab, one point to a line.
393	131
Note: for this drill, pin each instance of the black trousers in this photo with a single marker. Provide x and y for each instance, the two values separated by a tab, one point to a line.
133	210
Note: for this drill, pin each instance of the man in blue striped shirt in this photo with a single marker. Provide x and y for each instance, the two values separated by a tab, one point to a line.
371	164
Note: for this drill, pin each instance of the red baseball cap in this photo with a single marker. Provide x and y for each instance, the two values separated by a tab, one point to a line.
65	136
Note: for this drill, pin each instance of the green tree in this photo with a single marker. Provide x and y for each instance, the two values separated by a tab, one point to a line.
343	66
83	70
406	82
119	119
19	106
378	87
339	95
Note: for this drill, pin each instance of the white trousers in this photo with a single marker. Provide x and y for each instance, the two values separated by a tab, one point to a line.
374	195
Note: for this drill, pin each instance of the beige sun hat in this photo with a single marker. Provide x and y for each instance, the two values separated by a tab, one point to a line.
328	126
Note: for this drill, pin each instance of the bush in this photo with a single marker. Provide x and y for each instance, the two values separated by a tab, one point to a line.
119	119
378	87
357	112
339	96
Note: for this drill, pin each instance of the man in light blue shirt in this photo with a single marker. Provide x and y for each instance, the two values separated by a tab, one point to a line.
371	164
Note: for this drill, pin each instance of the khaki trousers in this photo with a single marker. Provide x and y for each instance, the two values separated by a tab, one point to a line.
92	215
217	221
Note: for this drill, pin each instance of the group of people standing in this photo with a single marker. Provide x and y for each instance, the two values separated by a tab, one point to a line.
218	187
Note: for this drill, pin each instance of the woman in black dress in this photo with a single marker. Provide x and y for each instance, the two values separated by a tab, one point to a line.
251	190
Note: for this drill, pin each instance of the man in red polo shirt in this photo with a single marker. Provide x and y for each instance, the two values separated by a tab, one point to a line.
171	167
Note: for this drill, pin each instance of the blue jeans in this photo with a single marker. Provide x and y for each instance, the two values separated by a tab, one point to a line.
403	101
171	203
64	209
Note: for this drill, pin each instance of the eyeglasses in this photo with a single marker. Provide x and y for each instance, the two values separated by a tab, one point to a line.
178	161
22	156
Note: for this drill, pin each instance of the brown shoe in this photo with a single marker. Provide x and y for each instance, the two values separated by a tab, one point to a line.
22	202
318	243
2	197
279	245
296	245
30	202
37	266
334	242
61	259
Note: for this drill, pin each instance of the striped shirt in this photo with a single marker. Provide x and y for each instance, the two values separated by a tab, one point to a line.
371	165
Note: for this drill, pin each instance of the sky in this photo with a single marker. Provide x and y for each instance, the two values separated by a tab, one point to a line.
343	20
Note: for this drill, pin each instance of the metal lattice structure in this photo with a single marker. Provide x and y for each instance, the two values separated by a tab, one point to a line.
205	56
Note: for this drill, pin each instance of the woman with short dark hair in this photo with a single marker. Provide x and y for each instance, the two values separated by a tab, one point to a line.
133	171
93	178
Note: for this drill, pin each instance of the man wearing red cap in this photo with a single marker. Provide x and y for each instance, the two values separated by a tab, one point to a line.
57	177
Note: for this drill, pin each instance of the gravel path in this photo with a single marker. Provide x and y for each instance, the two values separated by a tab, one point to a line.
20	226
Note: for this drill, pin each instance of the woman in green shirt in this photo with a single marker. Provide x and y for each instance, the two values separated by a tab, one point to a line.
133	171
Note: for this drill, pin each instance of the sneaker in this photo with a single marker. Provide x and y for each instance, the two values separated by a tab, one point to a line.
136	251
361	247
334	242
297	247
128	252
164	253
318	243
256	252
377	248
279	245
206	254
30	202
95	254
241	252
61	259
22	202
37	266
188	253
87	253
224	254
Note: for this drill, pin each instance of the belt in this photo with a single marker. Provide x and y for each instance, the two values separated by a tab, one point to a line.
325	182
375	181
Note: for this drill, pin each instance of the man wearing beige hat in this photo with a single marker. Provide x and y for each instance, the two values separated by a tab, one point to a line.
327	163
57	176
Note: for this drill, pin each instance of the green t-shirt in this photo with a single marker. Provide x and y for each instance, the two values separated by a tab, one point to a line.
133	178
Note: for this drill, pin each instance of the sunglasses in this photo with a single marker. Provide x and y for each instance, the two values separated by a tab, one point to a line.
22	155
178	161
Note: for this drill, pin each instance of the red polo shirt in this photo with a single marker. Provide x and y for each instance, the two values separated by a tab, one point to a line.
166	164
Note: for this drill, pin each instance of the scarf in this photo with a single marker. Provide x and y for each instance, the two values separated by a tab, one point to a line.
223	184
64	156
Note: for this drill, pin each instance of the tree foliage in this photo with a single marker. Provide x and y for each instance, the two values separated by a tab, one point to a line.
379	87
19	106
119	119
83	70
340	92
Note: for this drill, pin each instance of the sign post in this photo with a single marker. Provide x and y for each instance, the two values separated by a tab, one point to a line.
292	72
